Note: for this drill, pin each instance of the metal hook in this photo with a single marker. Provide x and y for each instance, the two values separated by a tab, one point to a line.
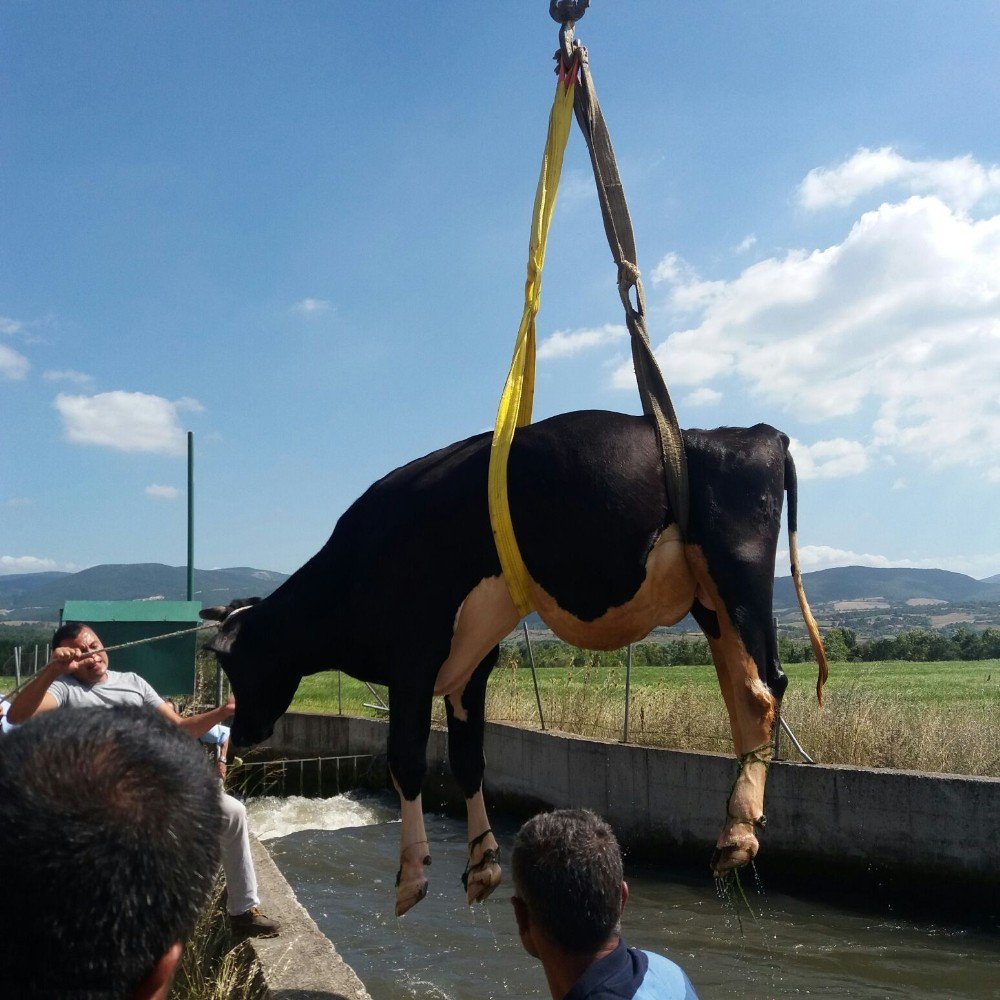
567	10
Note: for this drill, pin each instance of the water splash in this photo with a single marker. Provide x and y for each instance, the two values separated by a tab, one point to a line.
274	816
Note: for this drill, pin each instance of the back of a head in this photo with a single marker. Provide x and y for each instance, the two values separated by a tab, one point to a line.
568	871
109	840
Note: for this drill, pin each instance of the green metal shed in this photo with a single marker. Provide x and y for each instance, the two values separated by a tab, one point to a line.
168	665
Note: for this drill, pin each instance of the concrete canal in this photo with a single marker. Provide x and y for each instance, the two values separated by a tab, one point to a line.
340	854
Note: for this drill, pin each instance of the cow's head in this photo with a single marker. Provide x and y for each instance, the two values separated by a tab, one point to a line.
245	649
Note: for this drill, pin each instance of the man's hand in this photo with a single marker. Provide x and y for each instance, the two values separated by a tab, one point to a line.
68	661
230	706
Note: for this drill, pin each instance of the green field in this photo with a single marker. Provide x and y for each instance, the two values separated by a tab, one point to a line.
925	716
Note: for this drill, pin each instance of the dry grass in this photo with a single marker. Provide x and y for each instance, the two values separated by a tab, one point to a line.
859	725
214	965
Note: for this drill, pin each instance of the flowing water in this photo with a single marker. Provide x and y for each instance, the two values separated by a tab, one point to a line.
340	857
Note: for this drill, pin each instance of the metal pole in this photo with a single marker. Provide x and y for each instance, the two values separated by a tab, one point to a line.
798	745
628	690
190	524
17	666
34	669
534	676
340	694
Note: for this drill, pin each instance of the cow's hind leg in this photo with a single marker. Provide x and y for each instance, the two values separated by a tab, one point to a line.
752	709
409	728
466	710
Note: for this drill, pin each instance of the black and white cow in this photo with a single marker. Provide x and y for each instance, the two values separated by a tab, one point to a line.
408	592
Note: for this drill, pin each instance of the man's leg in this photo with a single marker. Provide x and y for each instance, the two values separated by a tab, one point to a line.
242	903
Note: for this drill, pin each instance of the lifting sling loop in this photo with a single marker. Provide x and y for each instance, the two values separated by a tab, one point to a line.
516	401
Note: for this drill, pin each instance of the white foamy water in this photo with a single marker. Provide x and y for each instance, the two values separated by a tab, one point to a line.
273	816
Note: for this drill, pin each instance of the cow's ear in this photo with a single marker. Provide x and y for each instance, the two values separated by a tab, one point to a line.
216	614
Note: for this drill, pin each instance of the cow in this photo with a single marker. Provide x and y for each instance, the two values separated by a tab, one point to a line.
408	592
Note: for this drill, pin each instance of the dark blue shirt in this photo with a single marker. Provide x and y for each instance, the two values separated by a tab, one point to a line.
630	974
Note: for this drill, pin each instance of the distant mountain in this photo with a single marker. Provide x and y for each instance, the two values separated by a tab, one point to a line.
896	586
40	596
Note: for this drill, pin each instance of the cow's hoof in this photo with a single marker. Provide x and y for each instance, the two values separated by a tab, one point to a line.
411	885
482	872
482	882
736	848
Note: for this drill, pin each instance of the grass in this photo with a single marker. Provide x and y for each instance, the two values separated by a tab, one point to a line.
214	966
921	716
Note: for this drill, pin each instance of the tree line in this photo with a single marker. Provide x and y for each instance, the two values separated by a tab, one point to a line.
842	645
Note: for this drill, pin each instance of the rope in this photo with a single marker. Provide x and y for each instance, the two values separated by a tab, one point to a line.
653	394
126	645
576	88
518	392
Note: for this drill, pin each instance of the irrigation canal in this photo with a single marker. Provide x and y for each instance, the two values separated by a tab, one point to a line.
340	854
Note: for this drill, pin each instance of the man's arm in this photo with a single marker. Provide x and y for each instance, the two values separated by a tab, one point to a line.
35	697
198	725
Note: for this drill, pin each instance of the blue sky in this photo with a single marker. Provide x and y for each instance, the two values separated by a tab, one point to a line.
300	230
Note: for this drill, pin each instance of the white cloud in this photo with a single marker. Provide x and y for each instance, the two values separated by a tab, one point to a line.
673	269
68	375
960	182
16	502
311	307
565	343
10	326
189	405
25	564
901	319
13	366
126	421
833	459
745	244
702	397
162	492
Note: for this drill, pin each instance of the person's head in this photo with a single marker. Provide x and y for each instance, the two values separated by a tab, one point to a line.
109	841
568	883
77	635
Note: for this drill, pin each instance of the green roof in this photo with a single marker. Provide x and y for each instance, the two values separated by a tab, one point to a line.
131	611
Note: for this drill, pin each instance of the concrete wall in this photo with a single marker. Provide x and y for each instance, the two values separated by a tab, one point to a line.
299	964
896	829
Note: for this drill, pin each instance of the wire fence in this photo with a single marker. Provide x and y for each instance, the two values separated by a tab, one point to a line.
310	777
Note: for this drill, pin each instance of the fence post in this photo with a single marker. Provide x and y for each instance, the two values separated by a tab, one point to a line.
340	696
17	666
534	678
35	668
628	690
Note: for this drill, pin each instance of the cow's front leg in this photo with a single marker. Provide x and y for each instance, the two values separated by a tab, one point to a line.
466	710
409	727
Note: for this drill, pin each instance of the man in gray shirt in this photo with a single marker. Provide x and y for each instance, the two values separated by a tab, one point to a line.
77	676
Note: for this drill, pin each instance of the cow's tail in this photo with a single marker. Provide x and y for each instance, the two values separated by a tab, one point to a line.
791	487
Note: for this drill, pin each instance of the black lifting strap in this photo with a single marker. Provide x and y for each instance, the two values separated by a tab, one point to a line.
618	227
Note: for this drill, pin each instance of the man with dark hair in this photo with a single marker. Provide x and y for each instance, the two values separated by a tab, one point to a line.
109	844
77	676
568	902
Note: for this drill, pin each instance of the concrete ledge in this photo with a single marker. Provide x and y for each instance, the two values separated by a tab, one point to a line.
301	964
896	829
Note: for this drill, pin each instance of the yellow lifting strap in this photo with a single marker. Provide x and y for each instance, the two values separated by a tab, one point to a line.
519	390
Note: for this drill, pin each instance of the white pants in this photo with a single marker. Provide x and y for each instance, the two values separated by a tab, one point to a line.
241	880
